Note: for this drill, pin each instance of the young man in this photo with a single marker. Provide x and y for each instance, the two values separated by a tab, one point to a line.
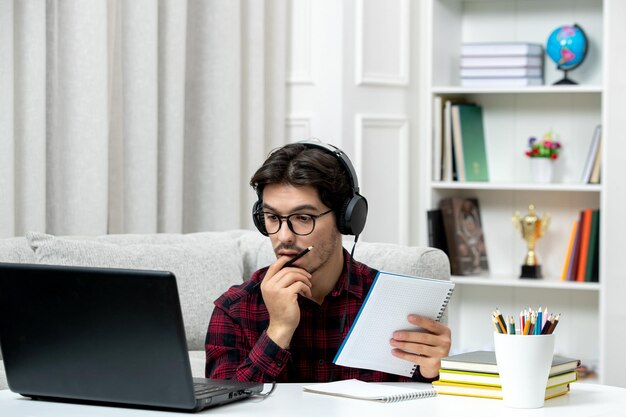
286	324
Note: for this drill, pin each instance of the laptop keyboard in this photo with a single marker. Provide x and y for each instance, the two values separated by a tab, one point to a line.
203	390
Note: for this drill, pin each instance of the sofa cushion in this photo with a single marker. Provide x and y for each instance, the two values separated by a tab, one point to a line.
205	266
16	250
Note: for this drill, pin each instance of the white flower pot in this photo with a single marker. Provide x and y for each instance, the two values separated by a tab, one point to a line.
542	170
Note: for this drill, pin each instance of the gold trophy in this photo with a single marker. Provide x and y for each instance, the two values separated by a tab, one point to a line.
532	228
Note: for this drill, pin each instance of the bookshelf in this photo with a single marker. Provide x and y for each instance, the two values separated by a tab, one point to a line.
511	116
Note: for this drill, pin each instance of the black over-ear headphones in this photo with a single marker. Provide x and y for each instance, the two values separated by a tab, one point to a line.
351	219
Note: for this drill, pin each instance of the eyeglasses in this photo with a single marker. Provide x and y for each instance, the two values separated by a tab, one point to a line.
300	224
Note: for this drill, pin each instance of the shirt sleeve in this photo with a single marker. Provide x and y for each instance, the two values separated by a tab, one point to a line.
417	377
230	355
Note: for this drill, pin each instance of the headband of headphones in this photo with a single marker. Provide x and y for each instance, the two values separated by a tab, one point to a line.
351	219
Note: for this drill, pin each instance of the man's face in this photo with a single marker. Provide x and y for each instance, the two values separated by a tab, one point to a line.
284	200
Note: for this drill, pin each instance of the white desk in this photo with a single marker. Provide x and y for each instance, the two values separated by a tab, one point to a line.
289	400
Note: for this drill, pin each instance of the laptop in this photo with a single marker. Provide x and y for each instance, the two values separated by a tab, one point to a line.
101	335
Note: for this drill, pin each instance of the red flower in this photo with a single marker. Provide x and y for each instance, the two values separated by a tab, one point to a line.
553	156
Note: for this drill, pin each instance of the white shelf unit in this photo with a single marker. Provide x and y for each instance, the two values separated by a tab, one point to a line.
511	116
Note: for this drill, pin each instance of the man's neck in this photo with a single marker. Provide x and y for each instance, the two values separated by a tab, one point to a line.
327	276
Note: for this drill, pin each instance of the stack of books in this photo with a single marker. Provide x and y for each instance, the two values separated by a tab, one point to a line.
510	64
475	374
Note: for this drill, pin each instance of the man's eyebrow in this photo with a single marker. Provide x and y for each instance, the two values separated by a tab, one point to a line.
295	209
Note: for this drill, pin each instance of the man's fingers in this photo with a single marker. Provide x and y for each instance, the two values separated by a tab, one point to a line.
428	324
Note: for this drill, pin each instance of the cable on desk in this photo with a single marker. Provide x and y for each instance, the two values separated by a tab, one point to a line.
260	394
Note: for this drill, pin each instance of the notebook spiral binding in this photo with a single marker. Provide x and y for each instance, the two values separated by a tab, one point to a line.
445	304
412	396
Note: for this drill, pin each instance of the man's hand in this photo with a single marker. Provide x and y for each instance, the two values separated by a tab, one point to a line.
423	348
280	289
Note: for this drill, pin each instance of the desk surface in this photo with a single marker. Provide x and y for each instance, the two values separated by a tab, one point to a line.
290	400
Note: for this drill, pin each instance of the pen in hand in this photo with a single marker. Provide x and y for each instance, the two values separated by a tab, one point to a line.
298	256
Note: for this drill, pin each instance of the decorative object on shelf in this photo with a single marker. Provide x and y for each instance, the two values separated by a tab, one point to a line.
532	228
542	154
464	235
567	46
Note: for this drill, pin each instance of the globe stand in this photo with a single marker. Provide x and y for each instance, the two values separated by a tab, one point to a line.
565	80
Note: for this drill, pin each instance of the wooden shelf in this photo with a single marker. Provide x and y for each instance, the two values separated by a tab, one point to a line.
503	281
543	89
503	186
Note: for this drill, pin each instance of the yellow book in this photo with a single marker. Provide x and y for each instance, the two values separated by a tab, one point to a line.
487	379
568	255
481	391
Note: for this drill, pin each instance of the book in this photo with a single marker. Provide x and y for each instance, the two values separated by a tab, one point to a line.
472	142
490	379
353	388
464	235
501	49
436	231
501	61
391	298
594	236
570	247
501	72
468	390
573	262
501	82
591	154
595	271
437	138
597	165
485	361
447	142
585	225
457	143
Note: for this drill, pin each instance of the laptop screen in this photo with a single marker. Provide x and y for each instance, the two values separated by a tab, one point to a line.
94	334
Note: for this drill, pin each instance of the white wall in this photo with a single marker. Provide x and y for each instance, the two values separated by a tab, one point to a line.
352	81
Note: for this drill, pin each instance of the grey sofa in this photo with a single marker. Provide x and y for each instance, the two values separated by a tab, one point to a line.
205	264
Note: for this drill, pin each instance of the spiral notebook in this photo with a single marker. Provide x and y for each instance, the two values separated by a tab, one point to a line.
389	301
353	388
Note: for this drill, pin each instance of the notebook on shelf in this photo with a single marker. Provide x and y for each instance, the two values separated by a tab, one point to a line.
100	335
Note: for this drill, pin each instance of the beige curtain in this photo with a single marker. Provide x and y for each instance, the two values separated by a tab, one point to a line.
136	116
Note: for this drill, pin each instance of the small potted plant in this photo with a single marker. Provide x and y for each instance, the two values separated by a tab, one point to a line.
542	154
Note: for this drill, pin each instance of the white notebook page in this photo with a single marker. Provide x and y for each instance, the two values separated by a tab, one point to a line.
386	308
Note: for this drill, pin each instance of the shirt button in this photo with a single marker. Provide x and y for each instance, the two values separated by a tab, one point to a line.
279	363
321	362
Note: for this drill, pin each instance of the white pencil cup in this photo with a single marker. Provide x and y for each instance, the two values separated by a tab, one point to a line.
524	364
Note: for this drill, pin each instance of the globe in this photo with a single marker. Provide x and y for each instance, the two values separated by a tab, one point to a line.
567	46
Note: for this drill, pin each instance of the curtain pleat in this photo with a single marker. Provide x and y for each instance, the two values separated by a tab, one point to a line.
136	116
140	106
78	135
172	64
7	144
30	115
213	117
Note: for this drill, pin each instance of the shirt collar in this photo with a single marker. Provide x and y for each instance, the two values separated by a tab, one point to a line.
356	285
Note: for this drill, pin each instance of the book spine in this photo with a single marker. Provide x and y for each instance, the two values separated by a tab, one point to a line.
584	245
593	241
570	246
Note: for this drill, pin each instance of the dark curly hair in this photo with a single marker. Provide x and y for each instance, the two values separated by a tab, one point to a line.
297	164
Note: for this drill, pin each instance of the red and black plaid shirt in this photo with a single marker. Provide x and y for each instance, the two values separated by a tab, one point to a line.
237	346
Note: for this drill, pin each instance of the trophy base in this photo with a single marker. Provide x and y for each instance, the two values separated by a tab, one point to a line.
531	271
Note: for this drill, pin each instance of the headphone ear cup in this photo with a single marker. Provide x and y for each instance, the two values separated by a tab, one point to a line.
351	220
258	218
